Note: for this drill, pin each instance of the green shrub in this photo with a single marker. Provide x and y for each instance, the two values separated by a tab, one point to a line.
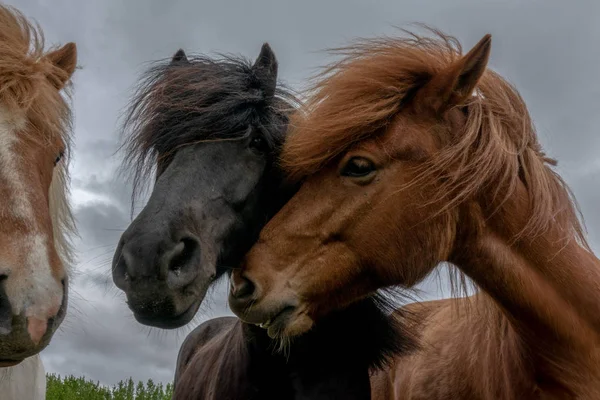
73	388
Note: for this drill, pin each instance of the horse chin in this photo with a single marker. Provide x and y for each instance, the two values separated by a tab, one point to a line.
170	321
17	346
280	320
173	309
294	324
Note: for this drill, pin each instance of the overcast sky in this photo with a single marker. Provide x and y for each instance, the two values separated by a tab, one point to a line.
548	49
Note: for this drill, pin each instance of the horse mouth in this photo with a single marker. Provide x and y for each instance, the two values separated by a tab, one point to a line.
169	322
9	363
276	324
18	340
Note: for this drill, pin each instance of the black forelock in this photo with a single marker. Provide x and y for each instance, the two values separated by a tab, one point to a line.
203	99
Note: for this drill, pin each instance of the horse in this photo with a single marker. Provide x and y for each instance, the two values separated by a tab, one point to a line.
35	218
411	154
212	130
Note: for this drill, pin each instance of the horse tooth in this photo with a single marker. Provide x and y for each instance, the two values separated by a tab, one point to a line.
265	325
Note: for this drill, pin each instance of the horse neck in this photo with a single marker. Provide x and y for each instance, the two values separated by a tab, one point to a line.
335	358
546	285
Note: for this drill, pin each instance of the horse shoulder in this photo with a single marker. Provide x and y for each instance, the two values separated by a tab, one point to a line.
198	338
467	350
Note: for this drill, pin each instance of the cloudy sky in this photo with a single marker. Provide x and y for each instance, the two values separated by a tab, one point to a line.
548	49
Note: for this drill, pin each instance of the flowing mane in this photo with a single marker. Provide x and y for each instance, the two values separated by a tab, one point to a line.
26	88
409	155
358	96
202	99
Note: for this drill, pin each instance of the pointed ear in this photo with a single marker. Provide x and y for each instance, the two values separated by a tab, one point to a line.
455	84
179	57
64	59
265	69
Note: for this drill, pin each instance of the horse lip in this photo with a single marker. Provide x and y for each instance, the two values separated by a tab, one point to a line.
277	323
265	321
171	322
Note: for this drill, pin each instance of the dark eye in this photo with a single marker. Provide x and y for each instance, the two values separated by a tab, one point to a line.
259	144
58	158
357	167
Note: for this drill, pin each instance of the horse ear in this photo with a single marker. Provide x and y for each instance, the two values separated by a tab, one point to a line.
455	84
179	57
265	69
64	59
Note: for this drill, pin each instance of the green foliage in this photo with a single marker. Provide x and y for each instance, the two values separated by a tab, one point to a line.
72	388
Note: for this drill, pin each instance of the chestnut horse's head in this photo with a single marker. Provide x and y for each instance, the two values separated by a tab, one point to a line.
35	219
212	130
403	146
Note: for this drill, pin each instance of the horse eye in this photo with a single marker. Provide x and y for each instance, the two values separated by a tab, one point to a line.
58	158
358	167
259	144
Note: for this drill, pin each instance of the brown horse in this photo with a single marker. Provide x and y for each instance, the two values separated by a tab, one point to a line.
410	155
35	219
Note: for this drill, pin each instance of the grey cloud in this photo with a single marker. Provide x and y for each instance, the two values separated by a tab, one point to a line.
100	224
94	279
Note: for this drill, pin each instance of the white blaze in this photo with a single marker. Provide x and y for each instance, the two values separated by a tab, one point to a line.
30	286
20	206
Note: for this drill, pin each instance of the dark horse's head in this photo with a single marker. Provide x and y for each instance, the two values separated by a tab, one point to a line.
211	129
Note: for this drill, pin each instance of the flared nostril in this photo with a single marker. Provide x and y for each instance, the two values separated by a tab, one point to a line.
242	288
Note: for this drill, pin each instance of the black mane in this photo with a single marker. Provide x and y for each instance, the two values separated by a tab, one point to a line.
184	100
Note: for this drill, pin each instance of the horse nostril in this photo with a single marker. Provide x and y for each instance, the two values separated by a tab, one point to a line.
120	268
244	288
183	262
152	257
184	252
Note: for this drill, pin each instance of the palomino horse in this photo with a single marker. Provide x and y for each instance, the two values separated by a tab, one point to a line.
410	155
35	219
214	128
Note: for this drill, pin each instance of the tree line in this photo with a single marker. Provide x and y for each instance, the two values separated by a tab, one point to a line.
78	388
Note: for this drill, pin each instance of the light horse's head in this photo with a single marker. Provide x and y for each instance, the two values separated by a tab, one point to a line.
35	219
406	150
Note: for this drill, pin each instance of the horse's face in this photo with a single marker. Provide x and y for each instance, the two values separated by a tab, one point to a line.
202	213
33	278
362	222
208	203
347	227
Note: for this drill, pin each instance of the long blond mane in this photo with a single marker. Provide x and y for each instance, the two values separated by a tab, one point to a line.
358	96
26	87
